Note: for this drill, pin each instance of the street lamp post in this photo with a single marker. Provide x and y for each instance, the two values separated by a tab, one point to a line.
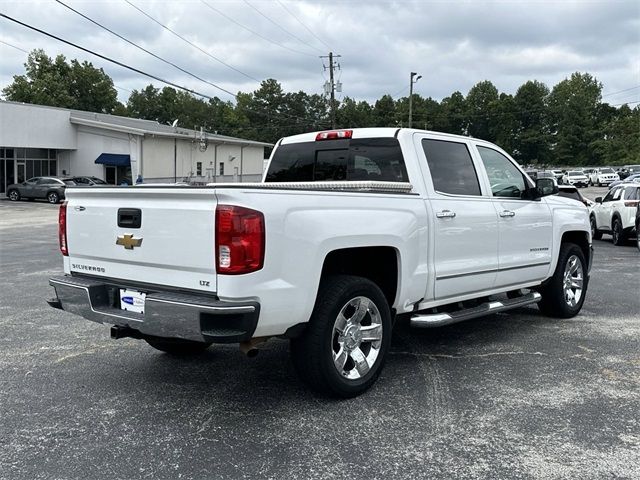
411	82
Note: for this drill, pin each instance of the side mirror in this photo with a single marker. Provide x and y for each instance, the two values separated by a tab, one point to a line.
598	200
546	186
24	184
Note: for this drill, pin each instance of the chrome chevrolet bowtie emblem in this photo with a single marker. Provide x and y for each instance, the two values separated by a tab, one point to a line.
128	242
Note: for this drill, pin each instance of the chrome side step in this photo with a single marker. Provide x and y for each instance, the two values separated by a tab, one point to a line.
426	320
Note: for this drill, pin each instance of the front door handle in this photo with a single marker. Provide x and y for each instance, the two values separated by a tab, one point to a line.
507	213
446	214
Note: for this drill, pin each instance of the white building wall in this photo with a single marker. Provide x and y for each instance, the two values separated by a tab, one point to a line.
92	142
78	146
18	122
158	161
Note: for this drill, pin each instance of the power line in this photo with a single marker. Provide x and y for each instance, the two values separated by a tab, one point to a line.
305	26
141	72
404	89
254	32
191	43
104	57
281	27
145	50
621	91
17	48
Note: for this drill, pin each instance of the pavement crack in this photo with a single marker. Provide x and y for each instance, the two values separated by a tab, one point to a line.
475	355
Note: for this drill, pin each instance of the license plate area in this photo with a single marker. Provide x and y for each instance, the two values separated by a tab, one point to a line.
132	300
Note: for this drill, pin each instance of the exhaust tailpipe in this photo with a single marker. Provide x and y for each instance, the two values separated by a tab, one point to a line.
250	347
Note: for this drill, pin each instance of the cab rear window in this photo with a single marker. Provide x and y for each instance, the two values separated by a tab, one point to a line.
372	159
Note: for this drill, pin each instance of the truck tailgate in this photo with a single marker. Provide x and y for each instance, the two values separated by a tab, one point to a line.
173	245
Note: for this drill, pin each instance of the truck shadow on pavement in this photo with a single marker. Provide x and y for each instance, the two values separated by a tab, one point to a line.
223	372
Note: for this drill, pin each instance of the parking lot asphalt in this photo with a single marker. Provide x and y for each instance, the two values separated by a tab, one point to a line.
513	395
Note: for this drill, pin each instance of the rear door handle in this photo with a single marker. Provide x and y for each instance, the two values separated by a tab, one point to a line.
507	213
446	214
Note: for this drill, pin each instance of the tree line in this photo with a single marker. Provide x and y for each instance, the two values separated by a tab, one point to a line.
569	124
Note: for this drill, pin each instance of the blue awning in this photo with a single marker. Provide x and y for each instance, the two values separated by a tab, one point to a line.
114	159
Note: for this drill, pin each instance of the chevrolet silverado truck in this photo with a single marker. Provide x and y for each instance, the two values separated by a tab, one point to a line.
348	230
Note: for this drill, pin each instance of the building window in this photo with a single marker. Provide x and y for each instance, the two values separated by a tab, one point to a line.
199	168
221	168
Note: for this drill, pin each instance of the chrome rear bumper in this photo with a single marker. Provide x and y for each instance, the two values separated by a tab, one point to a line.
167	314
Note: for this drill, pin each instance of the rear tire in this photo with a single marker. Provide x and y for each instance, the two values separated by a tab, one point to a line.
177	346
564	293
638	235
342	351
617	233
14	195
595	233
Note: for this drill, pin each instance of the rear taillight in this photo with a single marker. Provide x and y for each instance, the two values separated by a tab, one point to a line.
334	135
62	229
631	203
240	240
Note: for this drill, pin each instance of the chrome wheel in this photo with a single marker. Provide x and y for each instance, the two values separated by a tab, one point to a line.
573	281
14	195
53	197
356	338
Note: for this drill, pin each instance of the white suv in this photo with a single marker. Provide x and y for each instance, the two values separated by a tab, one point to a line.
603	176
576	178
615	214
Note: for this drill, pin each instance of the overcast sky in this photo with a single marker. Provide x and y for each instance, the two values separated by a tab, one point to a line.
453	45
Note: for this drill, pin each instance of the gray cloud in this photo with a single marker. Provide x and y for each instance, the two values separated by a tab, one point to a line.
452	44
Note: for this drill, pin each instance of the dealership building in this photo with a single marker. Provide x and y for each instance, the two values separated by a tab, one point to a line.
37	140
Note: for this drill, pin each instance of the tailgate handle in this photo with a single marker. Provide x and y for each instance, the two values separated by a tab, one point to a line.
129	217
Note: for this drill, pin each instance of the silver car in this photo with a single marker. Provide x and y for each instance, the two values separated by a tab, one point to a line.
49	188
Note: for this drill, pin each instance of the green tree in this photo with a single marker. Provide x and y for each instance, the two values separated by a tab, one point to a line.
573	108
453	118
503	123
482	103
353	114
621	142
57	83
384	112
531	135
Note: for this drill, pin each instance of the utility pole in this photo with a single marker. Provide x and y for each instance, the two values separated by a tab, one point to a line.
411	82
331	87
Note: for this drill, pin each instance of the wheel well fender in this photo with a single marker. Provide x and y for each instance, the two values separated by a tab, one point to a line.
581	239
381	265
614	217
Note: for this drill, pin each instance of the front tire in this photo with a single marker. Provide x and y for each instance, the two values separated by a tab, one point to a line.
53	197
342	351
14	195
617	233
564	293
177	346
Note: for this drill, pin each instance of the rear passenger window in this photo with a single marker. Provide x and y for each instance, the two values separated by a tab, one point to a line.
632	193
451	167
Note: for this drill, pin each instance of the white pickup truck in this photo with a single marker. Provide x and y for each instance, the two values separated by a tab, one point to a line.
349	229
